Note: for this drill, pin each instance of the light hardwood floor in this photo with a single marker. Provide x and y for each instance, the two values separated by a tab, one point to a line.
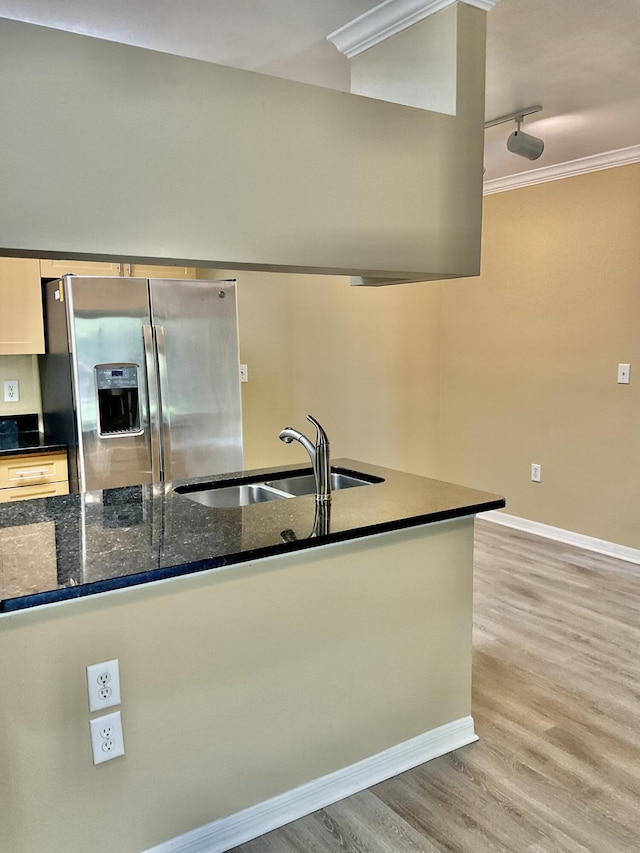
556	702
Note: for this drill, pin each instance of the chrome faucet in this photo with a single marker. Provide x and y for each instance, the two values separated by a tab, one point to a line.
319	455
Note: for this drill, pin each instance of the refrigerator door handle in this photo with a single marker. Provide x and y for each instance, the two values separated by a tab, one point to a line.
165	430
150	361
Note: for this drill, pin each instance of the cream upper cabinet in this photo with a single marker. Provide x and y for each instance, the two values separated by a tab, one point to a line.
21	326
148	271
57	268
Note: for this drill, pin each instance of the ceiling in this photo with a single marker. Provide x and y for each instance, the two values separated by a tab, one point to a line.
579	59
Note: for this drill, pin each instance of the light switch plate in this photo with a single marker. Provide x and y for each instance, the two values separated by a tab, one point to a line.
623	374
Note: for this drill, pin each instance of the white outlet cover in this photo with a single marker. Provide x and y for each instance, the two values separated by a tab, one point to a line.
107	739
103	685
11	391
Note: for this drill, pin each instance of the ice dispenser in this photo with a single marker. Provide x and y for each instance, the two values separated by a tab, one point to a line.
118	399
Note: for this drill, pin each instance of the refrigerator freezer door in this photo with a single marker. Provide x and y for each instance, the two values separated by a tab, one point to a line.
198	365
110	379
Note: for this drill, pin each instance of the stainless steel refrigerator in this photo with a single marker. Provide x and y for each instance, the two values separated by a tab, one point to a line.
141	378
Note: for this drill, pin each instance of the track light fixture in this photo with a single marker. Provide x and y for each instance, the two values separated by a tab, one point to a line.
524	144
519	142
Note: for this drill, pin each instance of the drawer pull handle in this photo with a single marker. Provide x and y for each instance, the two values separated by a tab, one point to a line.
29	473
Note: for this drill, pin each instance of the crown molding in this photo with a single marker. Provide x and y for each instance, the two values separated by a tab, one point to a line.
595	163
389	18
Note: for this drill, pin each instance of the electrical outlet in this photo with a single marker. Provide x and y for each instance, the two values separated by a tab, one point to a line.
103	684
11	391
244	373
107	738
536	472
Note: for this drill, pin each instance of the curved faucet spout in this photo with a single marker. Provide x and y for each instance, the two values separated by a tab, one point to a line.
318	453
321	436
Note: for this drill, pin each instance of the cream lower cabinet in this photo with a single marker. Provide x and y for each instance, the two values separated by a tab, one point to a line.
33	475
57	268
21	326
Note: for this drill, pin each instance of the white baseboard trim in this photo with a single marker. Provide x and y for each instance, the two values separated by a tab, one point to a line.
599	546
229	832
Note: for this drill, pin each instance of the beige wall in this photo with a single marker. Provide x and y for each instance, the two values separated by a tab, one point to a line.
236	686
530	355
364	361
416	66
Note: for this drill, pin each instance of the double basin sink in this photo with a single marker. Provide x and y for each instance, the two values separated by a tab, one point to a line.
225	495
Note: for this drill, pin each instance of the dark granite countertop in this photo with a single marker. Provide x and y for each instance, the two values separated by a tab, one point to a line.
116	538
20	434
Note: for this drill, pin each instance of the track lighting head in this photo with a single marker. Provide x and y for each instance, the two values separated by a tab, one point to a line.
524	144
519	142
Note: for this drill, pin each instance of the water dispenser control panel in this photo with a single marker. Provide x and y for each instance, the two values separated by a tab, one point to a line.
118	399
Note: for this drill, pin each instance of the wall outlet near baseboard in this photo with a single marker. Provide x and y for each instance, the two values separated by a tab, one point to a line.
107	739
536	472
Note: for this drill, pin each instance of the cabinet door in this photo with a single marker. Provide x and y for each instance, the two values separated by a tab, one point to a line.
21	326
25	493
27	469
148	271
56	268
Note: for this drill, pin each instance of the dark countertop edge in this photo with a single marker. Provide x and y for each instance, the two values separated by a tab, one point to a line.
166	573
36	442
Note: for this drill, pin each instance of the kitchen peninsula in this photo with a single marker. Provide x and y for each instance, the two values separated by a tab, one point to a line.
268	665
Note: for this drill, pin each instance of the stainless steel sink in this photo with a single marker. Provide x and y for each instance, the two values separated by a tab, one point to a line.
305	484
223	496
233	496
